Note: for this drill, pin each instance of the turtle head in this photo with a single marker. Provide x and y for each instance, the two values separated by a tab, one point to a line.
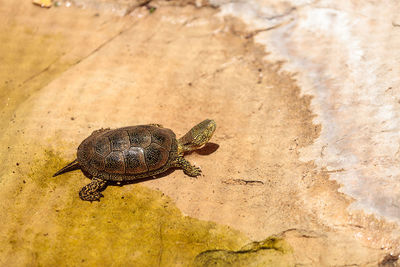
198	136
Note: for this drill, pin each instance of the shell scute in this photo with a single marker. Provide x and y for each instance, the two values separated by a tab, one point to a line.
162	137
103	176
139	137
155	156
115	162
134	160
98	161
102	146
119	140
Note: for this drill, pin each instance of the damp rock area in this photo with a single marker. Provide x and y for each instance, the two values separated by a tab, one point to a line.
302	170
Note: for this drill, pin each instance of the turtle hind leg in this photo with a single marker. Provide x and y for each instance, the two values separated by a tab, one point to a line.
188	168
92	191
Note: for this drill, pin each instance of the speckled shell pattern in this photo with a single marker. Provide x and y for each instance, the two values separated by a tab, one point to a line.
128	153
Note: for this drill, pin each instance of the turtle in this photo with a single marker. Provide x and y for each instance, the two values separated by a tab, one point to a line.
125	154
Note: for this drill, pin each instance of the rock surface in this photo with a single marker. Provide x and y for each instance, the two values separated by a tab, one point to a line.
304	96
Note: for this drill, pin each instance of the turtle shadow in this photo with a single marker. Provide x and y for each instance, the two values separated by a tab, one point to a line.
207	149
136	181
141	180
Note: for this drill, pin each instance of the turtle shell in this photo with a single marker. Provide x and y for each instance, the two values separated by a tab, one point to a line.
127	153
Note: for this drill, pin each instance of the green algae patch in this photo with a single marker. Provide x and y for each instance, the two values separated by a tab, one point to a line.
273	251
49	225
42	170
132	225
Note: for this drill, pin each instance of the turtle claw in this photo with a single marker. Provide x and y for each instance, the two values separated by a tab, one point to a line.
196	171
94	196
188	168
193	171
97	200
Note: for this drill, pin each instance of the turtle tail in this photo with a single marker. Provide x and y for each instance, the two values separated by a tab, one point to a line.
70	167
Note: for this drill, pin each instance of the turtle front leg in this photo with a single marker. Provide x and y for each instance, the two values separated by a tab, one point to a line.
188	168
91	192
